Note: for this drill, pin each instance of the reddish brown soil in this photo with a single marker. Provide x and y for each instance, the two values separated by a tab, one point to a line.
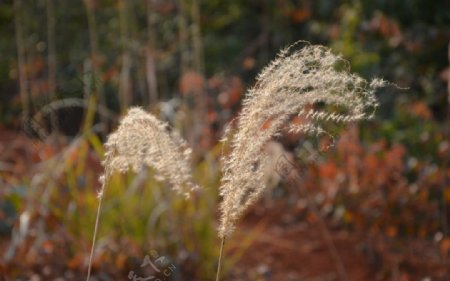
300	251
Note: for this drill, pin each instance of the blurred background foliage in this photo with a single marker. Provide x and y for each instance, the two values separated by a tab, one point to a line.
71	68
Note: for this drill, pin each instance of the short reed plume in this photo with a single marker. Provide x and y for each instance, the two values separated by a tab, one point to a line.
144	141
290	85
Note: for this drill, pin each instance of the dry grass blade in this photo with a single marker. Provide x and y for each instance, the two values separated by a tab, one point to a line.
291	85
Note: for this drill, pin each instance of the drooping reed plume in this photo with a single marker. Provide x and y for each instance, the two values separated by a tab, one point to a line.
144	141
290	85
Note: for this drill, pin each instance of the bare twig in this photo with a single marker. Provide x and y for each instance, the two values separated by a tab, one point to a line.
150	64
124	84
97	91
183	36
197	42
23	79
51	59
445	164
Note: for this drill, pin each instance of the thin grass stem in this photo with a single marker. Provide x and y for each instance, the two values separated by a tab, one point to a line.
220	258
94	238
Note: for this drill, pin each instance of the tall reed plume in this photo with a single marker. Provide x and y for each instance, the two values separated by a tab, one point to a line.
144	141
290	85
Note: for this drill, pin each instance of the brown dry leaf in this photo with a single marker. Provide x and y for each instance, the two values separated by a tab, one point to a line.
311	218
236	91
385	26
444	74
111	74
447	194
248	63
121	261
75	262
404	277
334	31
266	125
444	247
348	217
328	170
391	231
34	67
191	82
48	246
371	162
300	15
420	109
395	156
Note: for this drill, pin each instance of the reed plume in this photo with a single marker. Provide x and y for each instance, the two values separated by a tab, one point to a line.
290	85
144	141
140	141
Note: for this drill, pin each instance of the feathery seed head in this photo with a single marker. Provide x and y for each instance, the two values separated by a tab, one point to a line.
288	86
144	141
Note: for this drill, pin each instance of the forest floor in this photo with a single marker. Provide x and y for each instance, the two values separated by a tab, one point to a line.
283	248
274	242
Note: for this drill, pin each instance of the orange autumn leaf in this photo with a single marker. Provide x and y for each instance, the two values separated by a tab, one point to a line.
328	170
348	217
212	116
48	152
120	261
311	218
395	156
34	67
75	262
420	109
48	246
384	25
236	91
215	82
266	125
391	231
371	162
300	15
111	74
447	194
444	247
297	120
404	277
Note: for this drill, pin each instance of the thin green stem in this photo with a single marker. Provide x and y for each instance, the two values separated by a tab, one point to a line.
220	258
